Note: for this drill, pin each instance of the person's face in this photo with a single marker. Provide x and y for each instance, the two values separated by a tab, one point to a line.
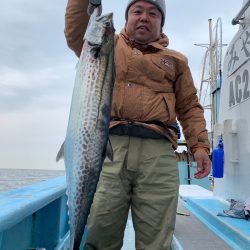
144	22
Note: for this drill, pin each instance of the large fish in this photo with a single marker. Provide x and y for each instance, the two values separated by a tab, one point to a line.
85	146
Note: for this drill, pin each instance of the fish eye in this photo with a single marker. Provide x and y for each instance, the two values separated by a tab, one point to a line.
107	24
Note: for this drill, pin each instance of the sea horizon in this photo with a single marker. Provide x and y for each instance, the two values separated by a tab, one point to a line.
12	178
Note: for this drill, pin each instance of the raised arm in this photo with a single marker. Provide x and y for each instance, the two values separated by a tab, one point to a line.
76	21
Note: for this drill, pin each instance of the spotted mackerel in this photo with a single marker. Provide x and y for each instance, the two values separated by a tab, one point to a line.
86	140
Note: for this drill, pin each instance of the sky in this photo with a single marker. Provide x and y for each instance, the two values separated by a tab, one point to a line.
37	69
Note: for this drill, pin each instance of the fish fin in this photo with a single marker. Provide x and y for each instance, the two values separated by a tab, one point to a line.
109	151
60	153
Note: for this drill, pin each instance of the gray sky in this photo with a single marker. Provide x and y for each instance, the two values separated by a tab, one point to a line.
37	69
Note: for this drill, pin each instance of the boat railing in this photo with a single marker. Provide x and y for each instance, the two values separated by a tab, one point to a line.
35	216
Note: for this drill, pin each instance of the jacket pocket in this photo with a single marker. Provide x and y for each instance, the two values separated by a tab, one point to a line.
166	66
169	99
153	71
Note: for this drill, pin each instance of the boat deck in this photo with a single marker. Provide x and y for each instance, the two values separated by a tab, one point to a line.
129	238
201	203
192	234
31	214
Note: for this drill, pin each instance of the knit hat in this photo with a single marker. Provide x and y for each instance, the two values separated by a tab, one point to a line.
160	4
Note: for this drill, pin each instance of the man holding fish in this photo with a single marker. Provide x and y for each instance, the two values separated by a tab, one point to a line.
153	88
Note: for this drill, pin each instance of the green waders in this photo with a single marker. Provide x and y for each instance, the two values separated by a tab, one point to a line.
143	177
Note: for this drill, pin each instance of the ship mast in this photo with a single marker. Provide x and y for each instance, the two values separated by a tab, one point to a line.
212	74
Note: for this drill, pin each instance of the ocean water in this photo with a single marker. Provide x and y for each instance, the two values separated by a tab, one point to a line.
15	178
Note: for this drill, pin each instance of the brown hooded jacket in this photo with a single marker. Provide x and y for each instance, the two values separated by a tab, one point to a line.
153	86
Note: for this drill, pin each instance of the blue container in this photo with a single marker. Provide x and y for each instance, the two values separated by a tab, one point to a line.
218	160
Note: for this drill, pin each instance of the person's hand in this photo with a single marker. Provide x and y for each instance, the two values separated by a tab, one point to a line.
203	163
94	4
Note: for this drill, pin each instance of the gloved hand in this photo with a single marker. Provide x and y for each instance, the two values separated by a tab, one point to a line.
94	4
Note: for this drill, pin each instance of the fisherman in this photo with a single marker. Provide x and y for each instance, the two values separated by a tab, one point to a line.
153	88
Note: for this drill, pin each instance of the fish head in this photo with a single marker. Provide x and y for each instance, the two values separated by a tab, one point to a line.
108	35
99	28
